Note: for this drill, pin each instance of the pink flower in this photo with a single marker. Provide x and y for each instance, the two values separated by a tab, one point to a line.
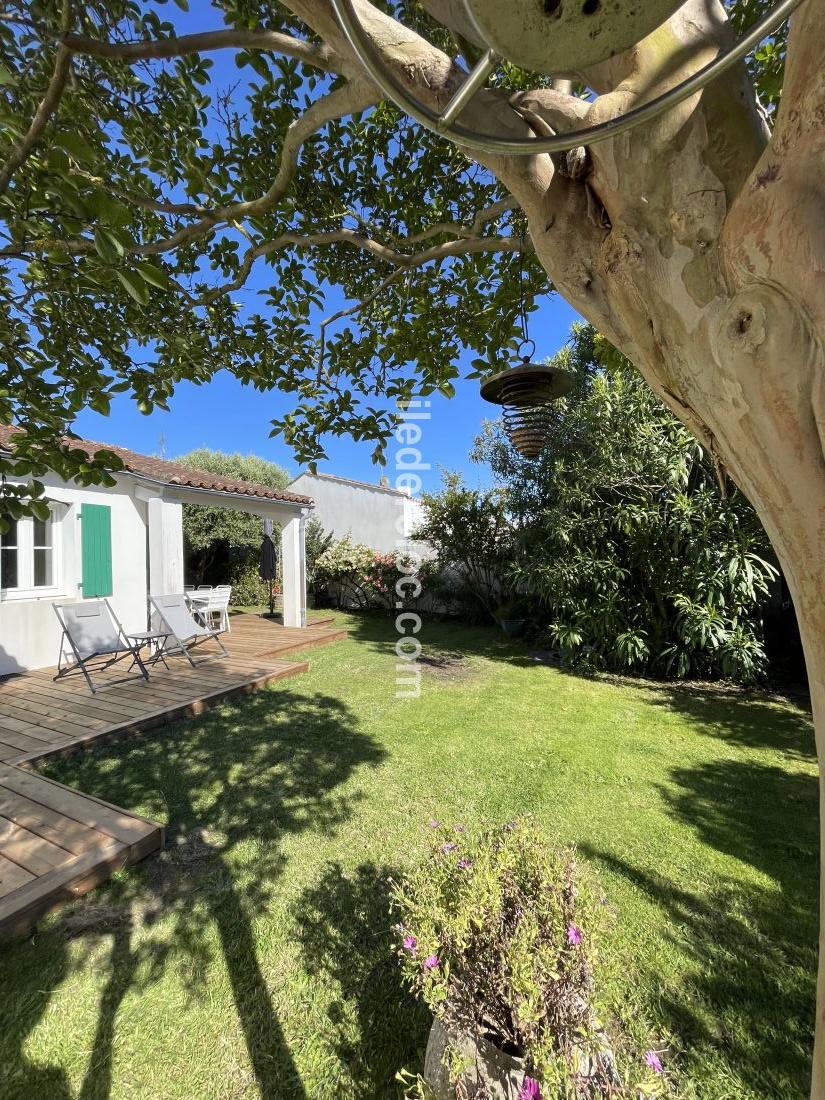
431	962
652	1059
574	934
434	824
465	863
410	943
447	848
529	1089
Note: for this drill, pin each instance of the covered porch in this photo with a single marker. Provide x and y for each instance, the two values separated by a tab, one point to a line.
164	505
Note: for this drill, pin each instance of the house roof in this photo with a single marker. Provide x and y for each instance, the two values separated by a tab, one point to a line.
352	481
172	473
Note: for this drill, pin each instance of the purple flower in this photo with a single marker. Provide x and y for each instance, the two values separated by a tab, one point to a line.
574	934
465	863
431	962
460	828
447	848
652	1059
529	1089
410	944
434	824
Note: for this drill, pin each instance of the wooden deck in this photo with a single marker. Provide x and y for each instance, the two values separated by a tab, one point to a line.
56	843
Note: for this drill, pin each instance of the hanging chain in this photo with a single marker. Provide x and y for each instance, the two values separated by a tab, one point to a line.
522	306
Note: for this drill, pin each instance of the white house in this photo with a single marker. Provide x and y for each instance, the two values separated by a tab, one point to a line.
123	542
373	515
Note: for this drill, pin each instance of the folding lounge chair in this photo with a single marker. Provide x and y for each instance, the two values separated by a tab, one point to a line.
94	640
186	633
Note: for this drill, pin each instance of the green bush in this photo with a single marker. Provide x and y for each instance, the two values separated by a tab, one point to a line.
248	590
474	541
497	934
637	551
364	577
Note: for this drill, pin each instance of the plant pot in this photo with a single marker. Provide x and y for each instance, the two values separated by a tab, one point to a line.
512	626
490	1073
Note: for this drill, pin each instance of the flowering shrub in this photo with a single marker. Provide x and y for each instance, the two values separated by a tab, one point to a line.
365	577
496	934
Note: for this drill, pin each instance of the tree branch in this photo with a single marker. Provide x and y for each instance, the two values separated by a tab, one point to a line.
319	57
401	260
484	217
46	108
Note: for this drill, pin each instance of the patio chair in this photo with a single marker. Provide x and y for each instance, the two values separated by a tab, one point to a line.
95	641
217	605
185	630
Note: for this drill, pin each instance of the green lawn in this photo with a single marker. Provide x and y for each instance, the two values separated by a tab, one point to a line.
253	959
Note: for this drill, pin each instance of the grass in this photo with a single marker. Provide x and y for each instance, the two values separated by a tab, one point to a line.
253	958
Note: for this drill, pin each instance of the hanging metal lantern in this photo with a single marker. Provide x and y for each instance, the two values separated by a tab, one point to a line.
526	393
557	37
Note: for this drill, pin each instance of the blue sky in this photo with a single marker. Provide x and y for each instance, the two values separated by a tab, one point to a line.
227	416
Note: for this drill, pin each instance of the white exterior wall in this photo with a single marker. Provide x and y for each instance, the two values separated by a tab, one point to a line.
370	514
29	630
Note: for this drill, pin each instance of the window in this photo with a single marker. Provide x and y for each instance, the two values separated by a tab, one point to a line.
8	554
28	565
43	552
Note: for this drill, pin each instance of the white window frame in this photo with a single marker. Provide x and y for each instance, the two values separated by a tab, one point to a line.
26	589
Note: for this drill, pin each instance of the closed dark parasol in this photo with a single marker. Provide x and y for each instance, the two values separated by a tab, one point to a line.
268	568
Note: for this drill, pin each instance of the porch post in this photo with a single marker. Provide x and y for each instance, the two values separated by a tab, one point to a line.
293	560
165	546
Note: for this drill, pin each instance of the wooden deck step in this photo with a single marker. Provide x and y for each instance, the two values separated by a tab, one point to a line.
56	843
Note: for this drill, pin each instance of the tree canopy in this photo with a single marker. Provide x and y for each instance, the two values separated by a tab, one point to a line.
206	528
163	218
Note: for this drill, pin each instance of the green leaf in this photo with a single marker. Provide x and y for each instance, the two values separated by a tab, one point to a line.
134	286
7	78
107	246
75	143
155	276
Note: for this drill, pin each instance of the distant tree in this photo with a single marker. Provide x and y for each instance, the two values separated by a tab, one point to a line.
316	541
473	539
640	552
209	532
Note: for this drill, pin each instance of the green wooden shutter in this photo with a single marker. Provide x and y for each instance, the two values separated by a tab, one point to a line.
96	546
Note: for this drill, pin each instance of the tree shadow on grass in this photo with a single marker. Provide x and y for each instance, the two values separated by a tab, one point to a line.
750	718
376	631
346	935
746	1000
763	815
231	785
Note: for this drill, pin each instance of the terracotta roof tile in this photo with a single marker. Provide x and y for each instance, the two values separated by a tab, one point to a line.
172	473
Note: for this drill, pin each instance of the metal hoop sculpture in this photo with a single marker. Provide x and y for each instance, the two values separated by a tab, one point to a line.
445	122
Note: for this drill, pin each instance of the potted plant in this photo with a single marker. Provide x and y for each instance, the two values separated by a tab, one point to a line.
496	934
509	617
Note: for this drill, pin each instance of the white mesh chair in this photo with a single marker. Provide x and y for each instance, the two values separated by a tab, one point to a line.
186	633
94	640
